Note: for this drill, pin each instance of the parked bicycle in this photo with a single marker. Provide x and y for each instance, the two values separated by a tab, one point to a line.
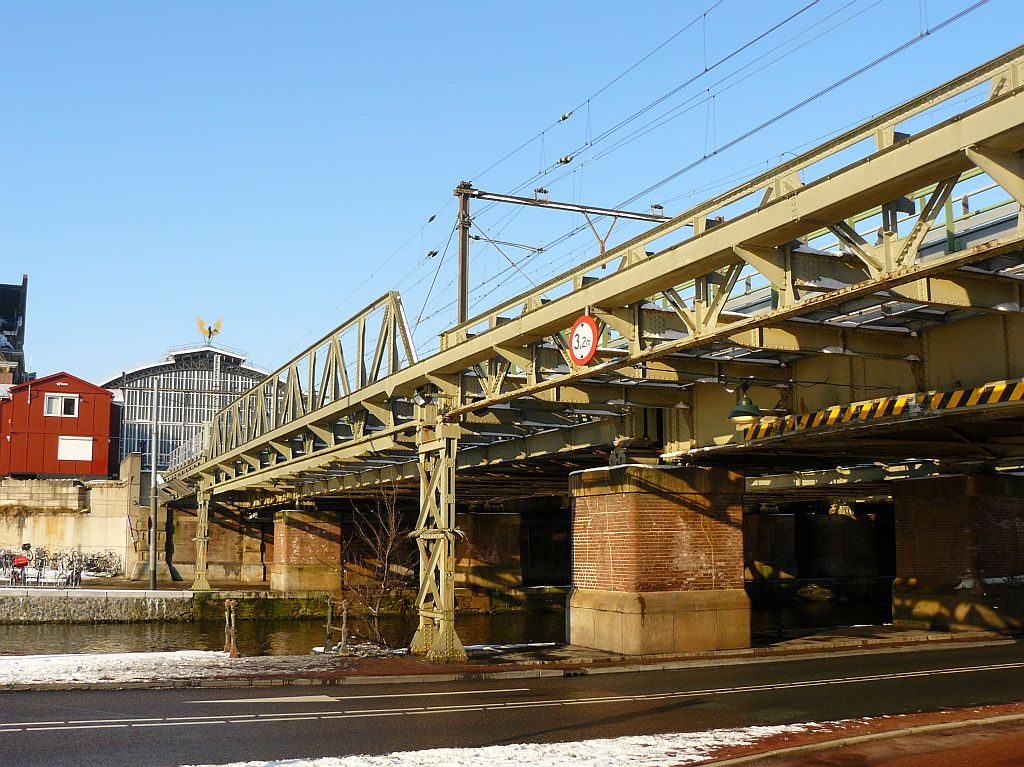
60	569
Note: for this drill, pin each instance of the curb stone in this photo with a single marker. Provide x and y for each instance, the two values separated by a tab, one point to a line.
573	668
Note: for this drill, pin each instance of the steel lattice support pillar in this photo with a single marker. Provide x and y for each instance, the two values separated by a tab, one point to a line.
202	539
435	537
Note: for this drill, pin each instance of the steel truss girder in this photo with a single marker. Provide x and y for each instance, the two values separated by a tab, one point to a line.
384	441
937	153
319	377
1005	167
729	329
583	437
795	336
816	273
1004	72
712	260
839	479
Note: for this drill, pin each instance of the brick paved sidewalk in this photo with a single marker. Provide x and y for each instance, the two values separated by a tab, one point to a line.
985	736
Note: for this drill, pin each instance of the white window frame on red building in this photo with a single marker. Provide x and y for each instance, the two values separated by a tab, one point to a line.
62	400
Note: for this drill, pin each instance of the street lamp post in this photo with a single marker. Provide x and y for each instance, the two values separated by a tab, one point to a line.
153	502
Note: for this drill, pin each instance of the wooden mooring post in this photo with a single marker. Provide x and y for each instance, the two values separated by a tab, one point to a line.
230	610
342	646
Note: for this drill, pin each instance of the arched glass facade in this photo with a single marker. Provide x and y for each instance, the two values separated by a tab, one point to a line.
191	385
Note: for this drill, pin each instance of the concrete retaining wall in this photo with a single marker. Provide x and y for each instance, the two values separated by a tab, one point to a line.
69	515
78	606
129	606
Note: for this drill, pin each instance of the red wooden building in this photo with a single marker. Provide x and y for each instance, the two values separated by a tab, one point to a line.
58	426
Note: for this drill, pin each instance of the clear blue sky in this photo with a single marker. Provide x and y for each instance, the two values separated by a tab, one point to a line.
276	163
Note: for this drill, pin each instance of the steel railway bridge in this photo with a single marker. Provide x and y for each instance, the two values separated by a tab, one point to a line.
867	294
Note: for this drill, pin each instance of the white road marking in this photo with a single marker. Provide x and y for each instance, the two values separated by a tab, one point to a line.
100	721
292	699
27	724
181	724
82	727
332	699
284	716
221	716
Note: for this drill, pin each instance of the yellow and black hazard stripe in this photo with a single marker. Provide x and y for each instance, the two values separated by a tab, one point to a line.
989	394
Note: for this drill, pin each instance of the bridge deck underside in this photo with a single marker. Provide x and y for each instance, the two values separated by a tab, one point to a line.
975	436
509	480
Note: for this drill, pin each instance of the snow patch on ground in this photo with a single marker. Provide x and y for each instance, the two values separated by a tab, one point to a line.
633	751
1013	580
93	668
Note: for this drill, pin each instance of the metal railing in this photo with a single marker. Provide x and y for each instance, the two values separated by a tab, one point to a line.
190	450
366	348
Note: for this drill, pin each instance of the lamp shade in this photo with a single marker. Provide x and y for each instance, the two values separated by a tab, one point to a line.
745	412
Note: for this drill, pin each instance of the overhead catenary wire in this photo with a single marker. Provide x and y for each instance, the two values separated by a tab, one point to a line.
662	98
719	150
804	102
512	261
701	18
704	96
437	271
355	290
599	91
784	113
552	268
780	115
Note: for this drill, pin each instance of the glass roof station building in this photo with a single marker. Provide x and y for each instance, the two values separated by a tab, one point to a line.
190	385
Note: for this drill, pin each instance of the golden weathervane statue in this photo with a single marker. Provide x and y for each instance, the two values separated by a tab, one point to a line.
209	331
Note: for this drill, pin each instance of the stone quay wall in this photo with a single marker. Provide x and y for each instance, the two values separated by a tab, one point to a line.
78	606
19	606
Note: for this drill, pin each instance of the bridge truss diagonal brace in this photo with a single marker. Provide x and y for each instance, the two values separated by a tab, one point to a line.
435	535
776	265
1005	168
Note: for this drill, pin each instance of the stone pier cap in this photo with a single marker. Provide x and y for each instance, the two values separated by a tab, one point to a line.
645	478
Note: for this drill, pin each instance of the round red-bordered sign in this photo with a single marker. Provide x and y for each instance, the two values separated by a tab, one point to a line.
583	340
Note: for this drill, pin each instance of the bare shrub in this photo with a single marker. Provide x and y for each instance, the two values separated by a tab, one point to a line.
379	562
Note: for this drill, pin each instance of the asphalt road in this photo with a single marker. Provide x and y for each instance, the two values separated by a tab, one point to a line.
173	727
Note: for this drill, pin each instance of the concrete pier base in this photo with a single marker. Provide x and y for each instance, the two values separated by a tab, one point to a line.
659	622
141	570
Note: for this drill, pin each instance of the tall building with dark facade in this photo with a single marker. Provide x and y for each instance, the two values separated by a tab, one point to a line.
13	300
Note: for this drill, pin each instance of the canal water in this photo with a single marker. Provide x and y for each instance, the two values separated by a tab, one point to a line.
768	624
281	637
